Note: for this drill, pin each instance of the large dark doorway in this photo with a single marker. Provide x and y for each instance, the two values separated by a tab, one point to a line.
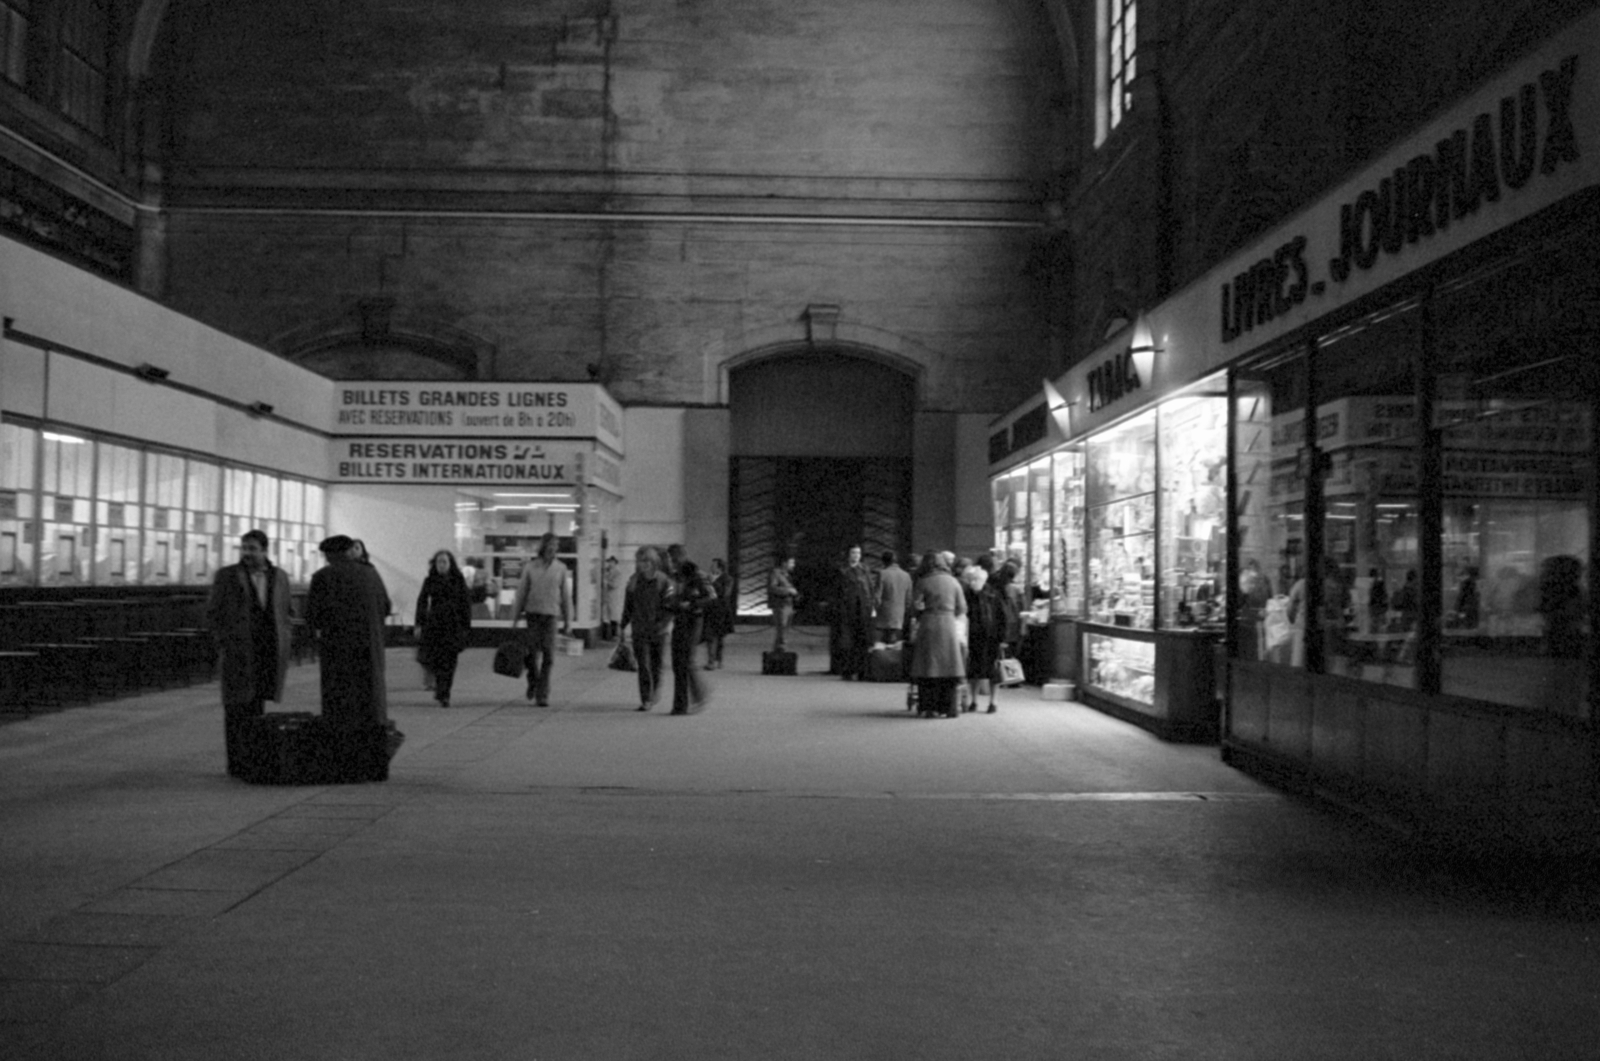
821	447
815	508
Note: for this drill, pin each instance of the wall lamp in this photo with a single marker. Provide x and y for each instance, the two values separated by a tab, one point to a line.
1143	350
1060	409
150	372
260	409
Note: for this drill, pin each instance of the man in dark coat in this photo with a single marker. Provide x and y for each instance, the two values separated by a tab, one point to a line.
856	595
248	613
347	608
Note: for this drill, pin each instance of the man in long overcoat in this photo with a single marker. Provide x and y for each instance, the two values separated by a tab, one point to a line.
248	613
856	596
347	608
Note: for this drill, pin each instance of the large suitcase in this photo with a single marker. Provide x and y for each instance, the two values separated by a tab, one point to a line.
300	748
777	662
887	663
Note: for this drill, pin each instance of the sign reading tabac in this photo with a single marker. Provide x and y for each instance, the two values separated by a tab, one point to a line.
530	410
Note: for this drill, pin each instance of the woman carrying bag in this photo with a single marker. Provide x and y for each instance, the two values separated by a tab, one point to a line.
443	619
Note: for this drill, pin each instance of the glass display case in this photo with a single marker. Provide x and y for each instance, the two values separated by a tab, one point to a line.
1121	516
1066	588
1038	571
1194	491
1121	666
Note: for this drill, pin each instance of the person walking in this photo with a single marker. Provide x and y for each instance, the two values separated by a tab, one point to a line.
248	613
691	596
544	597
719	616
938	657
781	599
443	621
647	617
347	607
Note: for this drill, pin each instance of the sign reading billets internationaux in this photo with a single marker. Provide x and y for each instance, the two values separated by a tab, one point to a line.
540	434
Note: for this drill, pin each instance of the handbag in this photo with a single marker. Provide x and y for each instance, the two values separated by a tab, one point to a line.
622	657
1008	671
511	658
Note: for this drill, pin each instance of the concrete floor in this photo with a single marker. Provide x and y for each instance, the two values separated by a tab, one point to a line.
803	871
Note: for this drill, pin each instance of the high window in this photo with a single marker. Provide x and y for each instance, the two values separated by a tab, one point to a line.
85	42
14	39
1116	63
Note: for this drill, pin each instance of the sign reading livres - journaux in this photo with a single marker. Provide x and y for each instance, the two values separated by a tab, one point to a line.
501	410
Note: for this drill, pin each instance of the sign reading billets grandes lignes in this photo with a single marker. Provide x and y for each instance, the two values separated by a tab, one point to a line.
540	434
543	410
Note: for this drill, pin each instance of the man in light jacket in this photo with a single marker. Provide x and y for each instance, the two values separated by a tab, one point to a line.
544	595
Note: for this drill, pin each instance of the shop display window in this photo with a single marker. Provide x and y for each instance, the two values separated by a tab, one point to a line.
1121	518
1067	528
1368	445
1122	667
1269	422
1194	494
1037	572
1516	434
1011	510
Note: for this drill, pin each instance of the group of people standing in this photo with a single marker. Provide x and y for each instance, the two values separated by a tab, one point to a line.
668	600
958	614
249	615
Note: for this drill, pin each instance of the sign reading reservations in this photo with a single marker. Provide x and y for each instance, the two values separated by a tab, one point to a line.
456	461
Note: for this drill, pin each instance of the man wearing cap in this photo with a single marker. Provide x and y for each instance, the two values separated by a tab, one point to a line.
347	607
248	614
544	595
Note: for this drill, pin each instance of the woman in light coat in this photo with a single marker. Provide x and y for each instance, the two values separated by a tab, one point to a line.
939	655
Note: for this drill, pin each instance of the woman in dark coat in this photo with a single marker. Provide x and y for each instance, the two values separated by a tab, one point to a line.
719	615
444	617
985	630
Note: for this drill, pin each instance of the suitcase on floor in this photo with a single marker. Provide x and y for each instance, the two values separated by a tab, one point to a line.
886	663
777	662
285	748
300	748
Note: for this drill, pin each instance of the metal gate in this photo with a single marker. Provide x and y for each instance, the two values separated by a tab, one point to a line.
814	508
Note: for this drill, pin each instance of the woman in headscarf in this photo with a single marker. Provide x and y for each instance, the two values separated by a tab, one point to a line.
985	629
444	617
938	658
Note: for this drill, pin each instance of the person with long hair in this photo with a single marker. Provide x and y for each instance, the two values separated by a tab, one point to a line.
719	615
443	619
691	597
647	618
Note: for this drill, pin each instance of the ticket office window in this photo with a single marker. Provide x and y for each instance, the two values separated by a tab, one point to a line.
163	518
117	515
1121	513
18	494
67	508
203	522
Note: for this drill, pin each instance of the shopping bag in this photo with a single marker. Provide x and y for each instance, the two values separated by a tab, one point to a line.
622	657
1008	671
511	658
1276	619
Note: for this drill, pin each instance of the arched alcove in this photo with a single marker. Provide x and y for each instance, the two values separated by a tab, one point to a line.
821	459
